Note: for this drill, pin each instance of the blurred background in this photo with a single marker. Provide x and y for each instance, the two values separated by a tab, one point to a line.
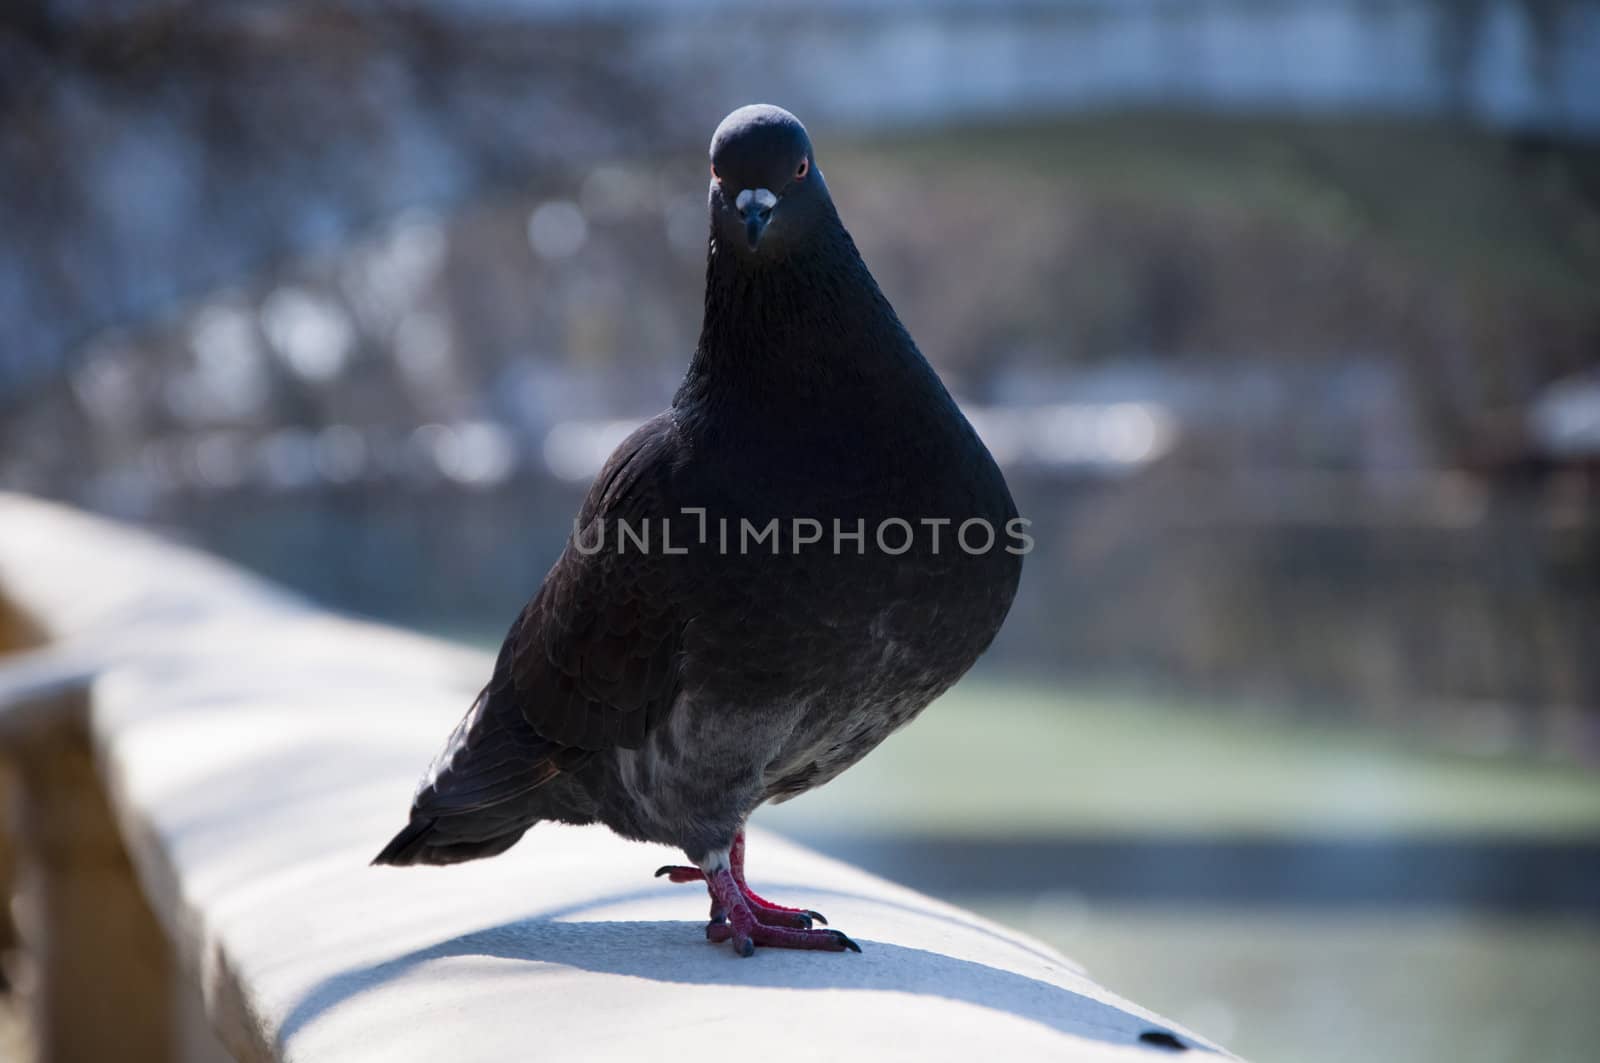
1283	317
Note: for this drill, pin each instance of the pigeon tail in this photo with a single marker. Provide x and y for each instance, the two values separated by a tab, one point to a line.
420	842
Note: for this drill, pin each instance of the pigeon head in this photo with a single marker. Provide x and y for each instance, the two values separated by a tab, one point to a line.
767	194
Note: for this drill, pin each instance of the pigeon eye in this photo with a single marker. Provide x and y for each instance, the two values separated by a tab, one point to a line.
715	176
803	169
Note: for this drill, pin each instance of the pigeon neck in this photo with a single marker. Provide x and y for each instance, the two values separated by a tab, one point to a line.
808	325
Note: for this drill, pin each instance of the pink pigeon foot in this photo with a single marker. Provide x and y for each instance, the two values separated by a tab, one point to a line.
766	914
746	931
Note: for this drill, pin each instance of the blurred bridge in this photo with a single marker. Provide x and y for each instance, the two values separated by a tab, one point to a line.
154	150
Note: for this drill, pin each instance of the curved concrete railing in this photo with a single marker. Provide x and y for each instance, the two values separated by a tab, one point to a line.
256	752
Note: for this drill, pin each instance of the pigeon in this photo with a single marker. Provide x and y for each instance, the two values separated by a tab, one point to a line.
764	581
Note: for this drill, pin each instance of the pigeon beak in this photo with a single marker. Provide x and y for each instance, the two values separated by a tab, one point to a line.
755	207
755	223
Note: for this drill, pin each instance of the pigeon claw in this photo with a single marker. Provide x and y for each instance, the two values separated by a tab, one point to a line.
765	911
780	938
741	915
752	921
772	915
675	873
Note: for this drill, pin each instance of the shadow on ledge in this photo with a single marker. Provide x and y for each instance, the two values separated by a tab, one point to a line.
668	951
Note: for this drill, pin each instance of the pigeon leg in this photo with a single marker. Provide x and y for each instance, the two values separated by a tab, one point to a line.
778	914
765	911
746	931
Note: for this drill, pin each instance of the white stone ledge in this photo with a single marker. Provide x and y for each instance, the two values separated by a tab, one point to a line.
259	751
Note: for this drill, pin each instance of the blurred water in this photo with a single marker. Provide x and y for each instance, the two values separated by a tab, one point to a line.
1299	987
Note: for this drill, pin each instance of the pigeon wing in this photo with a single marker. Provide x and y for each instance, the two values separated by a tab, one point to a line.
592	662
